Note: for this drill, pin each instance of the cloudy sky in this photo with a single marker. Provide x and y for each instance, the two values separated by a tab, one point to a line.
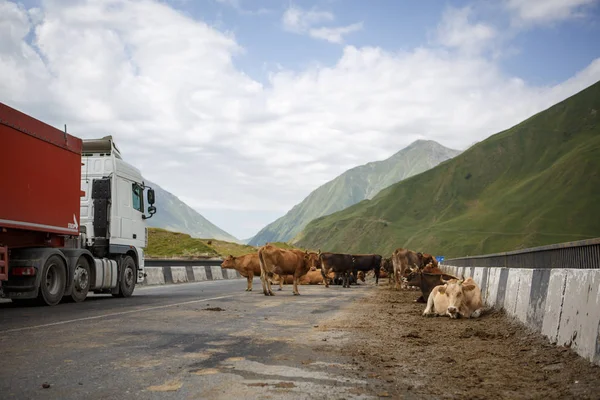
242	107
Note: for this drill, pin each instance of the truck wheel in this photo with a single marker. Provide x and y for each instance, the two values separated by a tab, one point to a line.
81	280
54	277
127	277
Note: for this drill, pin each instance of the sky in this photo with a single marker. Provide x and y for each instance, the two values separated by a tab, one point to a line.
241	108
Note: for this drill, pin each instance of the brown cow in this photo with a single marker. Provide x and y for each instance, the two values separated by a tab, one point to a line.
360	276
456	298
247	265
274	260
313	277
403	260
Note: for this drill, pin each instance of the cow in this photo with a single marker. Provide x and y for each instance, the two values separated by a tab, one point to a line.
387	267
366	262
426	279
360	276
313	277
274	260
455	298
340	264
247	265
404	259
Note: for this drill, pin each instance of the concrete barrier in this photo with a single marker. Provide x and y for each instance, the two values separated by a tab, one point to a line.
562	304
156	275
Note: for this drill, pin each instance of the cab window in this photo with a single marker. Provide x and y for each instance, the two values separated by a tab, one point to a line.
138	193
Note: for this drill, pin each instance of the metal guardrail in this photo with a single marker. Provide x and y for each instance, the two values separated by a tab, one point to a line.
582	254
169	262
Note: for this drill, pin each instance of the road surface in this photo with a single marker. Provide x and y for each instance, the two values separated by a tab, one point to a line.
208	340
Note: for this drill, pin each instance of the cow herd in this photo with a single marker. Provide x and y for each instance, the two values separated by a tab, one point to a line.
444	294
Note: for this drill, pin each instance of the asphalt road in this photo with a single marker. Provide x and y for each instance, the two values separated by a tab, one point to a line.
208	340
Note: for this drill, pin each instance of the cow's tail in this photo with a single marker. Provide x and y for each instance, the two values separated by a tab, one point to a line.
261	261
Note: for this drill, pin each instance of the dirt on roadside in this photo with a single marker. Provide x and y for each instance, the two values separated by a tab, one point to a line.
406	355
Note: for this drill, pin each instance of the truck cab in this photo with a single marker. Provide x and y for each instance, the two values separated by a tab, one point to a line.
112	209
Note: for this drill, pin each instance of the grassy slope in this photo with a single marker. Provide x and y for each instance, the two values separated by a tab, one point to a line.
534	184
354	185
167	244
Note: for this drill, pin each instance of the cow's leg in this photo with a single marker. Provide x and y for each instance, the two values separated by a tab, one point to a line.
269	291
476	313
249	278
377	271
281	279
325	278
263	280
295	290
429	309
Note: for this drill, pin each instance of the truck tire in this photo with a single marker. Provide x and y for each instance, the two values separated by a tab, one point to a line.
127	277
81	280
52	284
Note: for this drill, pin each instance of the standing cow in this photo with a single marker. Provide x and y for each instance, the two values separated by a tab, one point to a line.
248	266
365	263
274	260
456	298
388	267
340	264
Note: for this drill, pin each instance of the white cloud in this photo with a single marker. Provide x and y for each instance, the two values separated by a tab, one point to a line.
544	11
335	35
166	88
310	22
237	5
457	31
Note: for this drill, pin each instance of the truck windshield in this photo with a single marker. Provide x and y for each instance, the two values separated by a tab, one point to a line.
137	202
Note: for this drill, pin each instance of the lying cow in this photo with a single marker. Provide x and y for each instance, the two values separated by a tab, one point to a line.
456	298
340	264
313	277
365	263
248	266
274	260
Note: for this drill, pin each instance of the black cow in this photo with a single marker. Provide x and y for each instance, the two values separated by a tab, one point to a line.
340	264
426	281
366	262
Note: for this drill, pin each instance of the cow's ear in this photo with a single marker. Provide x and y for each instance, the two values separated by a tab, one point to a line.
468	287
442	289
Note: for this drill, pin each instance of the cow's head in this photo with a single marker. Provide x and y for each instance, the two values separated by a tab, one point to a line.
455	290
228	262
427	259
361	275
412	277
311	260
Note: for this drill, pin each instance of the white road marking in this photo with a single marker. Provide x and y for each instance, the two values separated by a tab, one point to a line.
115	314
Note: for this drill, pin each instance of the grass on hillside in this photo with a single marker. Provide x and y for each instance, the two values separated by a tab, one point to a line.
167	244
537	183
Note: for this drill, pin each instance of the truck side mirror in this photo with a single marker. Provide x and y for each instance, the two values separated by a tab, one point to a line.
151	197
151	211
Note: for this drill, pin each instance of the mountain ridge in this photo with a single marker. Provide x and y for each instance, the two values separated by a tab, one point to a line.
354	185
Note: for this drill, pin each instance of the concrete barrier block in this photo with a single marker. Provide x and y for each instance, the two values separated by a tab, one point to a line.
217	272
491	295
575	321
523	294
199	274
588	336
540	279
511	292
179	274
478	276
554	301
154	276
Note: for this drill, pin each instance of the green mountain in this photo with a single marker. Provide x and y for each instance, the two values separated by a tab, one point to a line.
174	215
534	184
354	185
